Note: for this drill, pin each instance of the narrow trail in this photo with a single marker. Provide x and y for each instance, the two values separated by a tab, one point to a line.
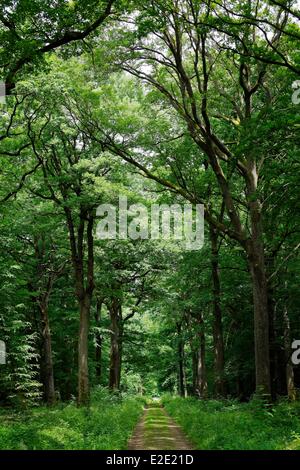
157	431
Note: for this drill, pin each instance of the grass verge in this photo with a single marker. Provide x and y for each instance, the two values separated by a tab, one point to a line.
106	425
226	425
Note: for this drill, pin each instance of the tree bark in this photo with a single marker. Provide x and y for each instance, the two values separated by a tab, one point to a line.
261	325
115	345
45	283
98	338
181	367
48	373
83	369
219	362
290	385
201	365
84	281
194	353
256	259
273	349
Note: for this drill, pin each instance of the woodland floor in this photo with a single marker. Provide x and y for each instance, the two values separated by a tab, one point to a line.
120	422
157	431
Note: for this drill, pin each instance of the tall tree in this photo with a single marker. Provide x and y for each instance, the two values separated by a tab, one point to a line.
179	58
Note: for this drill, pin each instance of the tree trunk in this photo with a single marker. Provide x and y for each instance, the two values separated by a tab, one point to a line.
48	374
261	327
291	391
274	363
181	369
83	369
194	353
201	366
220	388
44	284
256	259
115	346
84	281
185	392
98	338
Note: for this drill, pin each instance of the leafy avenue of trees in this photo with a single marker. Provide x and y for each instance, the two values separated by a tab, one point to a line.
163	102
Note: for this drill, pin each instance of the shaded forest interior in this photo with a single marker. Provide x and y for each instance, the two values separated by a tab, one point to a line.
169	103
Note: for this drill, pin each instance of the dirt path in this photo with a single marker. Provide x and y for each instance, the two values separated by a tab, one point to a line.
157	431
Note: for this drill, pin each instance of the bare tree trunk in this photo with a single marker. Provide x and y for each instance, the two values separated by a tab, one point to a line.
261	327
201	366
274	363
194	354
256	259
47	356
275	349
181	369
45	283
98	337
84	292
83	369
185	391
220	388
291	390
116	345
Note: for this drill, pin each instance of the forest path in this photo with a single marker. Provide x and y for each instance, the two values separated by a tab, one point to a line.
157	431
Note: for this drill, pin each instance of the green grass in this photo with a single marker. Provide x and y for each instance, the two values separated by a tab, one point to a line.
107	425
109	422
213	425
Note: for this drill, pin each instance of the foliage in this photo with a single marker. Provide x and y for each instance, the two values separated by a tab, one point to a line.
106	425
164	103
229	425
